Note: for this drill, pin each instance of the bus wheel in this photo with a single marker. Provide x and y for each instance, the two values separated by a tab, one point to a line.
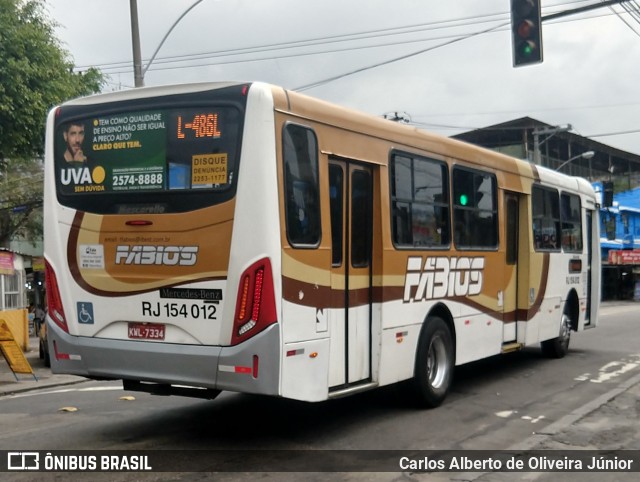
44	354
559	347
434	363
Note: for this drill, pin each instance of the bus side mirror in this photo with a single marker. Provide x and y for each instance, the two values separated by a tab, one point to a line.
607	194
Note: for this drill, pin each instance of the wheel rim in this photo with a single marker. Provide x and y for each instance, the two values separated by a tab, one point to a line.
437	362
565	330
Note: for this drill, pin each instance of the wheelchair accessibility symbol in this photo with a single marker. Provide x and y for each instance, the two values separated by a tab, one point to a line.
85	312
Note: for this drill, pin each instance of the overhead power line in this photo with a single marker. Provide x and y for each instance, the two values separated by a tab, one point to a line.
619	133
317	45
396	59
633	9
315	41
406	56
583	9
289	49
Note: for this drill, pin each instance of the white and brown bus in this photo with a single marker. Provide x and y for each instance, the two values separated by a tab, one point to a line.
244	237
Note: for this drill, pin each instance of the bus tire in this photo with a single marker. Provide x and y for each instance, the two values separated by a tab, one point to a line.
44	353
558	347
434	363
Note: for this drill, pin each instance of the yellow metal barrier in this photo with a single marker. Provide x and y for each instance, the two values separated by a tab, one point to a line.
12	353
18	321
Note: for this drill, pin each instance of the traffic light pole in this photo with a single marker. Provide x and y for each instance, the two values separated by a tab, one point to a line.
586	8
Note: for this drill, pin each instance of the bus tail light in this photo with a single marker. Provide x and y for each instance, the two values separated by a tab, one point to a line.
54	300
256	306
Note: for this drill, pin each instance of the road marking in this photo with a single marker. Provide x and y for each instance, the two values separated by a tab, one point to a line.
531	419
611	370
64	390
506	413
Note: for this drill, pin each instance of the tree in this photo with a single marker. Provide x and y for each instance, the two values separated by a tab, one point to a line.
36	73
20	200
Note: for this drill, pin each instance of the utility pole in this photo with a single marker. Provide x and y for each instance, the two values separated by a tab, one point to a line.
138	71
550	131
135	42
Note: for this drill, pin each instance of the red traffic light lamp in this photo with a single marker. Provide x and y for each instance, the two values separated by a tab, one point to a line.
526	32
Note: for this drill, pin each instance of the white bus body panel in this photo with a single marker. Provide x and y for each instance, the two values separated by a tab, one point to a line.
193	354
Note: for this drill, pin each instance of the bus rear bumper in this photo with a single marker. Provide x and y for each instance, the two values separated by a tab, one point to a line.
251	367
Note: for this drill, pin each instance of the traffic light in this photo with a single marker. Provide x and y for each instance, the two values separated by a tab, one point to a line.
526	32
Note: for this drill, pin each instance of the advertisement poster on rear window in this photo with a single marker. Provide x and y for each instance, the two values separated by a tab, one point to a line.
123	152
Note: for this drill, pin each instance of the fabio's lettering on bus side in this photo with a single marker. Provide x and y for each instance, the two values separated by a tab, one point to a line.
440	277
158	255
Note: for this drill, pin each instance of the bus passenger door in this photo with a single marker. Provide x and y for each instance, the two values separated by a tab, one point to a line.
592	291
350	187
510	293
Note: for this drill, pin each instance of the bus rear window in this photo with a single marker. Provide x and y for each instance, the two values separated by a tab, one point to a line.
149	159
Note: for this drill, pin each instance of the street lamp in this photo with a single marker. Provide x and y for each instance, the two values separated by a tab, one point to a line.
584	155
138	71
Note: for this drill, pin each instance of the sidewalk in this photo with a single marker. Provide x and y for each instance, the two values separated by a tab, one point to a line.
25	382
608	423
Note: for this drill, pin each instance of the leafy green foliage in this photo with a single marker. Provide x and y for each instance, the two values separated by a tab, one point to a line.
36	73
20	201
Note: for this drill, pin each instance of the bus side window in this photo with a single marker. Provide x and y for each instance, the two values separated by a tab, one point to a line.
571	215
300	154
336	188
545	210
419	201
475	209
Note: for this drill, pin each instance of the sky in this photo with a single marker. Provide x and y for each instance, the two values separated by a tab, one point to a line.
446	66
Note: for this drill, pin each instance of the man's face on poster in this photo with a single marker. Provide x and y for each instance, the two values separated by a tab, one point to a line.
74	137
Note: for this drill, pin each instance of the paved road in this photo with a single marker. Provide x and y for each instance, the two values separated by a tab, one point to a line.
607	421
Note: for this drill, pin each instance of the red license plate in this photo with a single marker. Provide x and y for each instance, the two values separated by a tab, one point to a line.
146	331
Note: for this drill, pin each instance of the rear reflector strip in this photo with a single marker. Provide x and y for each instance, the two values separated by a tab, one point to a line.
64	356
235	369
252	370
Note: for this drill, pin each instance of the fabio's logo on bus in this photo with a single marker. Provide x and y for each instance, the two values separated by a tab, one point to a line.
157	255
439	277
